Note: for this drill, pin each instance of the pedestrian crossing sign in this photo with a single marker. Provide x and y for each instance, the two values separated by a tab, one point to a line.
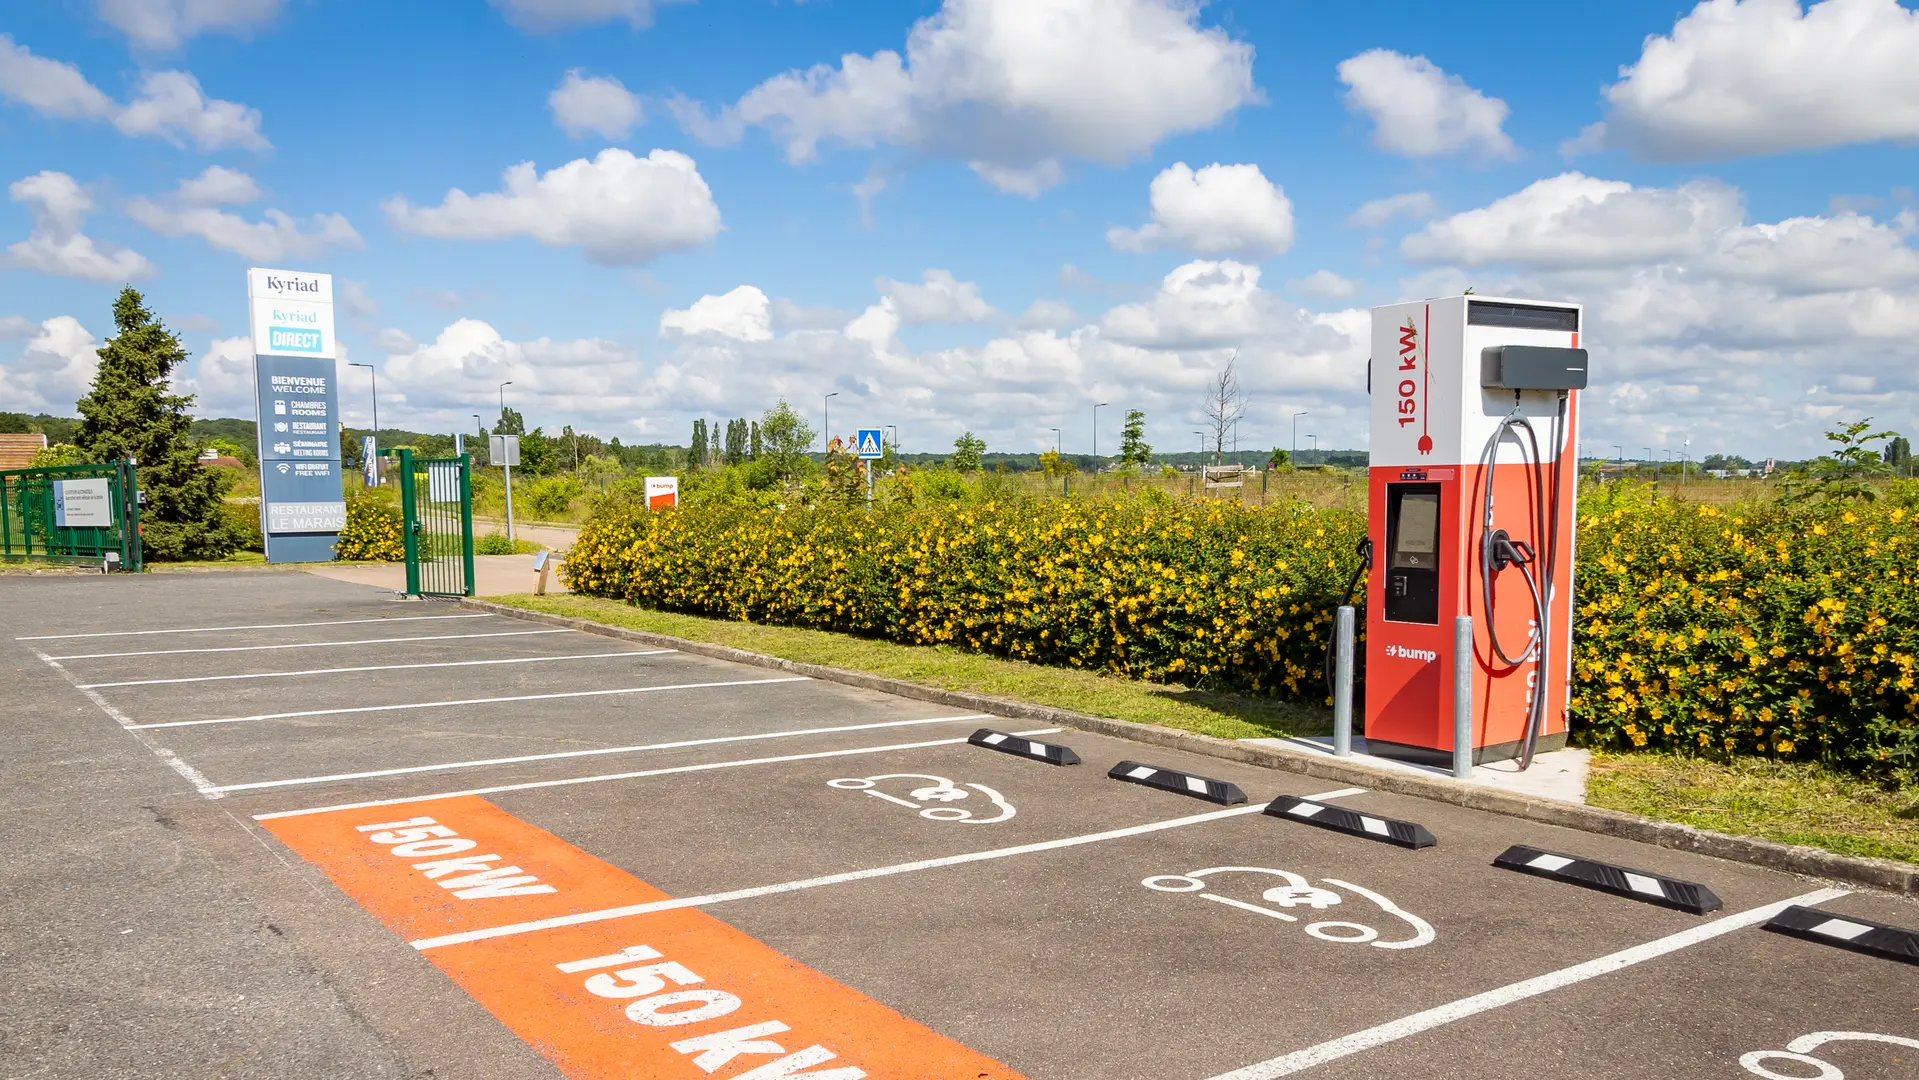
869	443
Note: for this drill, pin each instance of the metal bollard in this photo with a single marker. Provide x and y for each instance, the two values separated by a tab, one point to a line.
1463	696
1343	682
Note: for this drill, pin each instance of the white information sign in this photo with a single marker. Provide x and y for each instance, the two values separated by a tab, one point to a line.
292	313
662	492
443	483
83	504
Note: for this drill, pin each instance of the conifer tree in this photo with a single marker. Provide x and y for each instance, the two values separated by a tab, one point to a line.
129	414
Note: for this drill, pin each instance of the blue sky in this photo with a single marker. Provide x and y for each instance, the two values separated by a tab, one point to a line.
984	214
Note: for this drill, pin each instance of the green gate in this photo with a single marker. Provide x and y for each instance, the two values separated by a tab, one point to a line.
436	499
72	514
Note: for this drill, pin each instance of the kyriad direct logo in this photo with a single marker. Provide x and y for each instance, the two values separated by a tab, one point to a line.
295	331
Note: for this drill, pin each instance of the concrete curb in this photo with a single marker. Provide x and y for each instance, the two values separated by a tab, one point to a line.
1884	874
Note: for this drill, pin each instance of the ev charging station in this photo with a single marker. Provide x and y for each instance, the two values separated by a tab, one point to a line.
1474	479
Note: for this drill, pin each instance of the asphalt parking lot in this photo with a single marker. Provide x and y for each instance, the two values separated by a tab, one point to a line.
275	825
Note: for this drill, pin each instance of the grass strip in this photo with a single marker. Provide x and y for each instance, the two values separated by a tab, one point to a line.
1790	802
1228	716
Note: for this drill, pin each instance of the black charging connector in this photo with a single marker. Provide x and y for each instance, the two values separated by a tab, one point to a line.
1503	551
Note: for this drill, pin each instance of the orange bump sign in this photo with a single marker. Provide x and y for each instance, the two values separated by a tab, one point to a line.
672	995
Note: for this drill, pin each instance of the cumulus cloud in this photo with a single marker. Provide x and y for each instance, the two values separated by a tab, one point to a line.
222	378
1765	77
594	105
1219	210
354	299
543	15
1747	337
617	208
1577	220
1418	110
170	104
55	245
1418	205
938	297
1014	88
1324	284
192	210
165	24
744	314
458	373
52	371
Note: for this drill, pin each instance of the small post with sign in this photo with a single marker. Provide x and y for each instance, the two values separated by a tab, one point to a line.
871	449
504	451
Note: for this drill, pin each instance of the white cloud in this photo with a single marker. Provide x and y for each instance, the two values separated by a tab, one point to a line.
1043	314
1324	284
55	245
1014	88
1765	77
743	314
939	297
190	211
354	298
594	104
1219	210
222	382
1749	337
1418	110
1577	220
15	327
49	87
165	24
459	372
170	105
53	371
619	209
560	14
1418	205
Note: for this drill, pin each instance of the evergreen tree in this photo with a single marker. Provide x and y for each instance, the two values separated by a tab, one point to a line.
736	442
696	449
128	414
1133	449
715	451
756	445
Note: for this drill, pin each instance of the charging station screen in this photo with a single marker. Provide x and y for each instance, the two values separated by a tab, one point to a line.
1412	553
1418	536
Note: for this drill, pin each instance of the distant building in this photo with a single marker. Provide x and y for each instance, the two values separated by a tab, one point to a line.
17	451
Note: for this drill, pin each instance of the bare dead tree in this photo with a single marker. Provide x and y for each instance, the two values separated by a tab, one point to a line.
1225	404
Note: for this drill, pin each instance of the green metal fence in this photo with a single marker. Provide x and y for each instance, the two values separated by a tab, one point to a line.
436	500
71	514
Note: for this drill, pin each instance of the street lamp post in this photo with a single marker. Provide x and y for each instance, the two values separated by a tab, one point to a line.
826	437
1096	410
375	376
1315	439
1295	450
506	471
894	428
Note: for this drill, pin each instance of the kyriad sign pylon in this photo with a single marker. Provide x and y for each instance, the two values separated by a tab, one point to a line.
297	409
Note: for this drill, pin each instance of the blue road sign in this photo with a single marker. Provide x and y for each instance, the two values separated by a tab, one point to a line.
869	443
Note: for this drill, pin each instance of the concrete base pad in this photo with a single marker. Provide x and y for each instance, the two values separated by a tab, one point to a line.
1559	774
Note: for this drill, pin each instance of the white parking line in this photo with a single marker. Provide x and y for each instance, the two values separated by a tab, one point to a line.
1312	1056
376	667
597	753
172	760
311	644
707	767
467	701
256	626
604	914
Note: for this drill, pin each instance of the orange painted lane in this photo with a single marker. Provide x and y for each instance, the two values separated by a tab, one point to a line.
673	995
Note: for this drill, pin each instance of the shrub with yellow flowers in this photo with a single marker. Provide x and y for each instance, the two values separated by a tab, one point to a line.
1210	594
1775	629
374	529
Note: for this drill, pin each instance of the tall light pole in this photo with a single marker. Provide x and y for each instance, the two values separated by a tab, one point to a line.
1202	446
478	428
1296	417
503	387
894	428
1315	439
826	437
506	471
1058	452
1096	410
375	376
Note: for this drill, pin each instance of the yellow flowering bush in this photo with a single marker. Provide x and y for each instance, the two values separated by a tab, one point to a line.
1209	594
374	529
1782	630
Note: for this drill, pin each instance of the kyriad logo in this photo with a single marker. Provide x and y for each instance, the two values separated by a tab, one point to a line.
283	283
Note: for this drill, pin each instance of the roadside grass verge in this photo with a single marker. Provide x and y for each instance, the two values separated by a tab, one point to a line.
1790	802
1228	716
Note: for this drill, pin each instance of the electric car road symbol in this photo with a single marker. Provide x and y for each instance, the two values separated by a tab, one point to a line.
936	789
1296	894
1798	1053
